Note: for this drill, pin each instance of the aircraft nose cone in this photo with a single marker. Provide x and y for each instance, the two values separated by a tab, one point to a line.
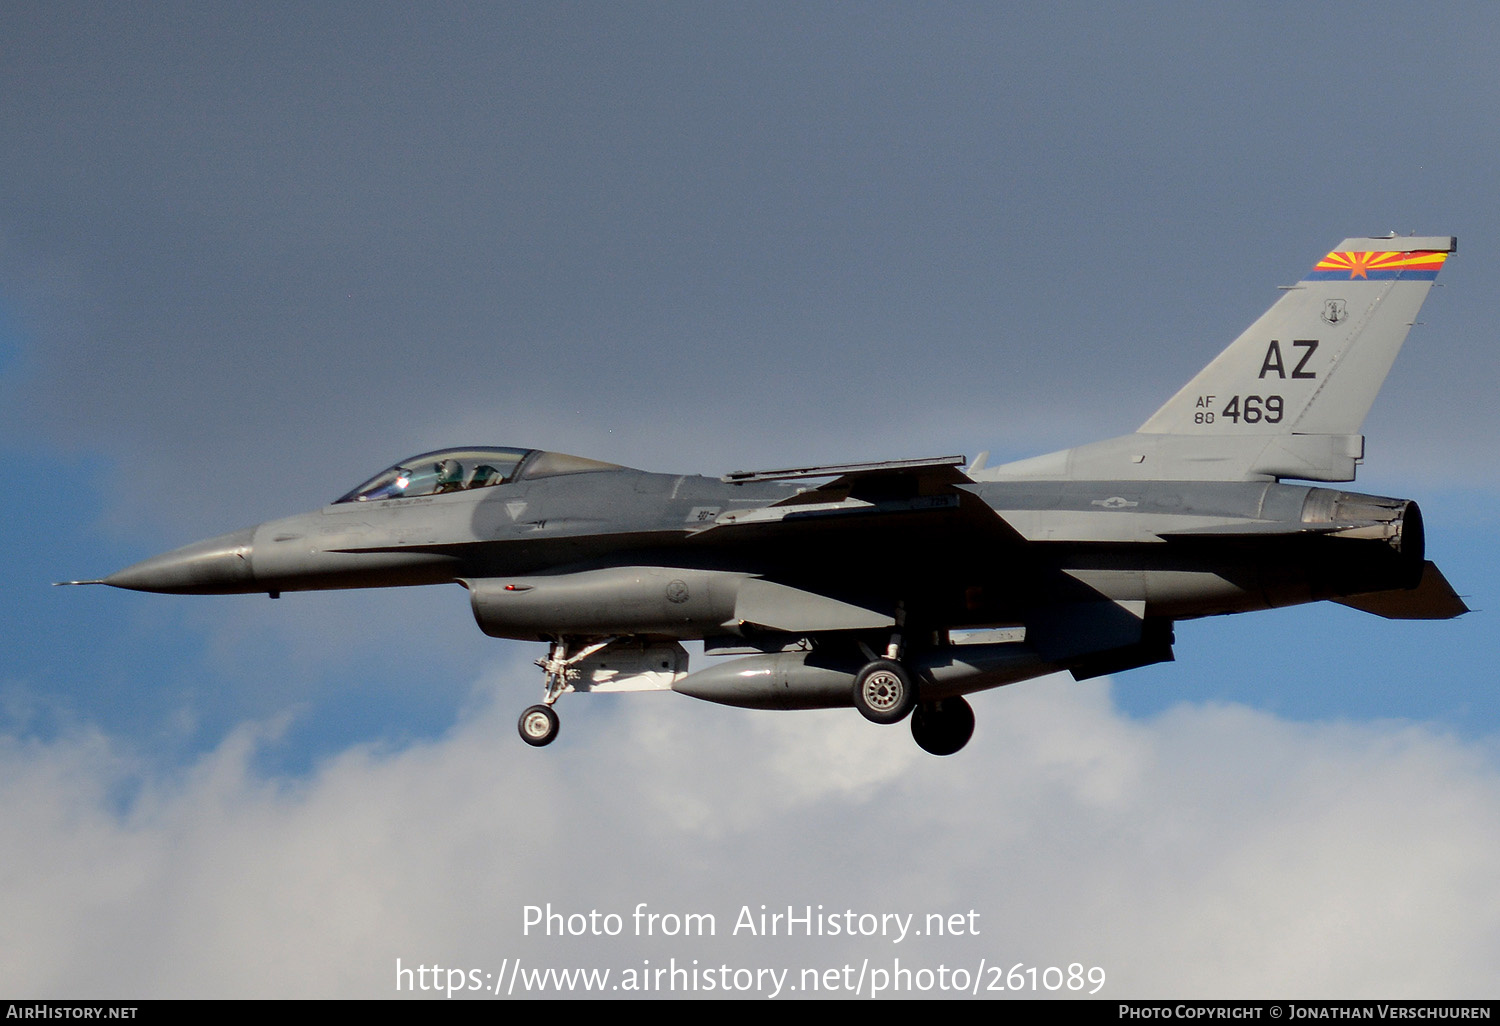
216	566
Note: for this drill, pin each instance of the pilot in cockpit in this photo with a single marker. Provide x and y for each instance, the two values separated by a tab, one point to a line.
441	472
450	476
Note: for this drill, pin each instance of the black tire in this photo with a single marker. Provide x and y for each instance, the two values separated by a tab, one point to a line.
884	692
538	726
943	727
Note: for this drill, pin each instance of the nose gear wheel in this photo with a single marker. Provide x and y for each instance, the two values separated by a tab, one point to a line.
538	726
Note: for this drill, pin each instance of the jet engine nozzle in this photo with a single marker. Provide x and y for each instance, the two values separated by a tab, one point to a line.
1389	532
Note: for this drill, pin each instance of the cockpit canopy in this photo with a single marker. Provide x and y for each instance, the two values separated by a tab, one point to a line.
458	470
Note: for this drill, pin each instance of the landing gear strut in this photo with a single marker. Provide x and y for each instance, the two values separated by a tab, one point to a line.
538	724
884	691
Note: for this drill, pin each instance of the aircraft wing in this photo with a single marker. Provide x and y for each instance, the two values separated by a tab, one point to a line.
873	518
856	486
943	465
854	489
868	535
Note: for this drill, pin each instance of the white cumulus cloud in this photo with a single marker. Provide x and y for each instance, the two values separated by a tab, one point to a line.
1211	851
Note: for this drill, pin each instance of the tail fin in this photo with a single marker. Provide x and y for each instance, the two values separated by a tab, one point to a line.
1288	397
1314	361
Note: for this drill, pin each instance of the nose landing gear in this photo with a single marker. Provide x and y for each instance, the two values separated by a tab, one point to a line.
539	724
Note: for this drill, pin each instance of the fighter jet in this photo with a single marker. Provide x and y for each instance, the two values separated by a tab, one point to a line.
899	587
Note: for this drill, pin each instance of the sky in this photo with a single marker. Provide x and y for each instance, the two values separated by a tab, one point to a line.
251	254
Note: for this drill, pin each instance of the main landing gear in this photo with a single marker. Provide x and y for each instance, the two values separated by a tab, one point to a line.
885	692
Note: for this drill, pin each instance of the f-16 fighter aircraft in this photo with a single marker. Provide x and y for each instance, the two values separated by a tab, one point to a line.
898	587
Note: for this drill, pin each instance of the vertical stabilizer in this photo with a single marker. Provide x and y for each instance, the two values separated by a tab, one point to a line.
1313	363
1288	397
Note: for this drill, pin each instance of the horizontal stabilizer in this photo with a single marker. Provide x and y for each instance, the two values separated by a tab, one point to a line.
1432	599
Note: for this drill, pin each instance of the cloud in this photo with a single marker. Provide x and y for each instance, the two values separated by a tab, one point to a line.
1212	851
